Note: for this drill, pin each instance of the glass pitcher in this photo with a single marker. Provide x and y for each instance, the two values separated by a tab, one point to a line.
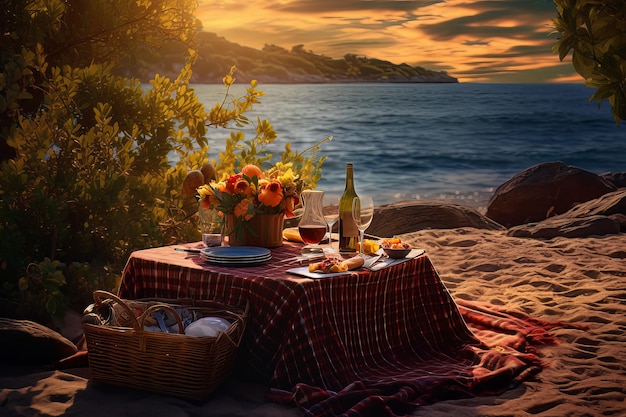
312	225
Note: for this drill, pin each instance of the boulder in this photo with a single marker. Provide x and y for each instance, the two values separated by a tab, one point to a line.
606	205
618	179
30	343
567	227
406	217
600	216
542	191
621	219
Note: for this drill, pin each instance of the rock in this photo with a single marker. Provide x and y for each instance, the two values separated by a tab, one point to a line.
607	204
30	343
600	216
567	227
618	179
621	219
542	191
406	217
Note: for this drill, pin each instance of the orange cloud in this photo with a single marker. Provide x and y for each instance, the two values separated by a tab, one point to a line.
475	41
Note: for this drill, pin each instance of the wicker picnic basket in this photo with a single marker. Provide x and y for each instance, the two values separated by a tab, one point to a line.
169	363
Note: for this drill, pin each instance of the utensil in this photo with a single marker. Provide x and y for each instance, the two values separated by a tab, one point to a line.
302	259
190	250
374	260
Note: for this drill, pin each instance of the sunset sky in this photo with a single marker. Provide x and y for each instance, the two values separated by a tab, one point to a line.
474	41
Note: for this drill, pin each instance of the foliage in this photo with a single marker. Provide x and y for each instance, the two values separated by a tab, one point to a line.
97	159
252	191
595	31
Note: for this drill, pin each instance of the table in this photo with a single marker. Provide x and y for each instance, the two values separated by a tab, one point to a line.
393	338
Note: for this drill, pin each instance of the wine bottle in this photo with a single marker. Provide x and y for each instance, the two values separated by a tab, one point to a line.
348	232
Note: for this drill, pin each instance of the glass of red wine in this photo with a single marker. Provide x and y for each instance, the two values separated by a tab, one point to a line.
312	225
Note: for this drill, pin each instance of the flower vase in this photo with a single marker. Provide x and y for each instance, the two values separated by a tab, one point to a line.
267	231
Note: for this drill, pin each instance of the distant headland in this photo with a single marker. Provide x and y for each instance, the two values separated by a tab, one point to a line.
276	65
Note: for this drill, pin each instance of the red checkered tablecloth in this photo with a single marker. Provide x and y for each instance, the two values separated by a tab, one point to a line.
365	343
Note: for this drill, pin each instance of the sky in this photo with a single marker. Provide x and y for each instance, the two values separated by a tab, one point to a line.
506	41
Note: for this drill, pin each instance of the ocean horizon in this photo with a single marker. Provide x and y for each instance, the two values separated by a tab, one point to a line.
416	142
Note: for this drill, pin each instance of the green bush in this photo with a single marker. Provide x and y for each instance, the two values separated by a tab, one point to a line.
595	32
92	178
98	161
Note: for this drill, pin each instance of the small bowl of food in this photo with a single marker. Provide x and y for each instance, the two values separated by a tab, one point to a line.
395	248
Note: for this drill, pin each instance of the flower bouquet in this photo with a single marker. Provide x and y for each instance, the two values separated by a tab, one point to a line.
253	202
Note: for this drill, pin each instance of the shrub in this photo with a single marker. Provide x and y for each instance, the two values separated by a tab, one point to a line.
98	162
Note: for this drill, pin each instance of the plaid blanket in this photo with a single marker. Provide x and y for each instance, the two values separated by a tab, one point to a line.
365	343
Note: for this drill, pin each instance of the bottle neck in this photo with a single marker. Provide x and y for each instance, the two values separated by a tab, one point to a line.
349	177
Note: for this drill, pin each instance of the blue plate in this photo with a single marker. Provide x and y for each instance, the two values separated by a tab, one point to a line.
236	254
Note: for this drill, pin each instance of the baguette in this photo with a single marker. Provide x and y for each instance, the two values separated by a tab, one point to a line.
334	265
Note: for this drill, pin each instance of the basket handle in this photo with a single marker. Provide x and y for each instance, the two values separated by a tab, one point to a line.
100	295
240	318
156	307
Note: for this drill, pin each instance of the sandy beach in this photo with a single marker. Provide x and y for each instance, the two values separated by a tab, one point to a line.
580	281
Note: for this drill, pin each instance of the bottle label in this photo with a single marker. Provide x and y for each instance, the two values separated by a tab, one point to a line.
349	233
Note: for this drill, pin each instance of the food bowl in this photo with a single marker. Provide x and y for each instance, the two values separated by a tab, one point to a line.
397	253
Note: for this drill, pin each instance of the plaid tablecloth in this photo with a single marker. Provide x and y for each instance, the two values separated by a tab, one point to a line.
367	343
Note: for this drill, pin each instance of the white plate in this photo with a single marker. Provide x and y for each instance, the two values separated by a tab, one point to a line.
304	272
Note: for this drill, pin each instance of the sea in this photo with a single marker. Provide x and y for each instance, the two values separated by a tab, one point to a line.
420	142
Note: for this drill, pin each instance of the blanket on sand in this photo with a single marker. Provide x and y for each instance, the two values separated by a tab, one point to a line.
500	352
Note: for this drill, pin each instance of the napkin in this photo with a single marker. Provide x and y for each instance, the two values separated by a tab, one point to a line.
292	234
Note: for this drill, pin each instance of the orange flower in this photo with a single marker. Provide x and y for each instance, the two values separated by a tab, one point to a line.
206	202
243	210
271	194
290	206
251	171
242	186
221	187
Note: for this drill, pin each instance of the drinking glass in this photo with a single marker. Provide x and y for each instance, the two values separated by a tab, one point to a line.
331	215
362	213
210	225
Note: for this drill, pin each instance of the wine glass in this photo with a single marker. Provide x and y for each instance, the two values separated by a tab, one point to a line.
331	215
362	213
312	225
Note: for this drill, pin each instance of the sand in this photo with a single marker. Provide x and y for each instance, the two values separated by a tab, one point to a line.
580	281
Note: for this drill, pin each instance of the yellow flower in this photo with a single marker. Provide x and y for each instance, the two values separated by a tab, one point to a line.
207	196
287	178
